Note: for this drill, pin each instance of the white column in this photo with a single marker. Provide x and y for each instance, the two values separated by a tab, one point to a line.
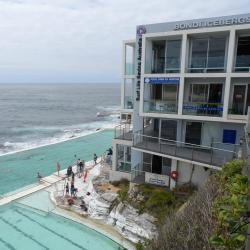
114	160
230	61
173	168
183	68
123	93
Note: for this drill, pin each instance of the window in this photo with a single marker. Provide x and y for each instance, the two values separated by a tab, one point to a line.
128	93
204	99
243	54
208	54
163	56
158	55
123	158
173	52
240	99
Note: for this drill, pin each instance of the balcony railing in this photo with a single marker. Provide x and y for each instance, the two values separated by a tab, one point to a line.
160	106
242	69
124	131
203	108
237	109
212	156
140	176
207	70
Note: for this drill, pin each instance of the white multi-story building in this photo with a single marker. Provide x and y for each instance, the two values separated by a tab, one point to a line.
186	89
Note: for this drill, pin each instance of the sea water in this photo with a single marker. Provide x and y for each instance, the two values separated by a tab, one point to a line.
38	114
20	169
35	115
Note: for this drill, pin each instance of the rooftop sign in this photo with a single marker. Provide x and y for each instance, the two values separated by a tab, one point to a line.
212	23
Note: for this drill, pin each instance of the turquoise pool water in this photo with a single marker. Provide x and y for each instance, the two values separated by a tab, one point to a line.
23	228
20	169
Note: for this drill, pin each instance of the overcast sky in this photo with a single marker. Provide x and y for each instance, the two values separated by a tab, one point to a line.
80	40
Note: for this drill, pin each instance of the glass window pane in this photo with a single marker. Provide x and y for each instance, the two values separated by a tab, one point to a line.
170	92
168	129
158	56
238	99
199	53
216	55
200	93
243	52
173	56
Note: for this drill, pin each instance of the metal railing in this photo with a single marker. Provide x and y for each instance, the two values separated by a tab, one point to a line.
213	156
242	69
123	131
139	175
206	70
203	108
161	106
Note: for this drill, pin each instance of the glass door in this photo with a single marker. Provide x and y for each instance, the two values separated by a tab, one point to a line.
168	129
239	99
193	132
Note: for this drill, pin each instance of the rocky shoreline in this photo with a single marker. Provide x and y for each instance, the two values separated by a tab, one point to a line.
101	201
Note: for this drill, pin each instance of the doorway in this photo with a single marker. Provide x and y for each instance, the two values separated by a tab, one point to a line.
193	133
156	164
241	99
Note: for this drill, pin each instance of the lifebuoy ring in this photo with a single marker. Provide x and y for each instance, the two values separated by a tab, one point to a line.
174	175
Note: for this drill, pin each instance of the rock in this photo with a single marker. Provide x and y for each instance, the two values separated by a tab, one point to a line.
109	197
131	224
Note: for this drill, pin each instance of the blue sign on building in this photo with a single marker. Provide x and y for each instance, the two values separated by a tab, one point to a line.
162	80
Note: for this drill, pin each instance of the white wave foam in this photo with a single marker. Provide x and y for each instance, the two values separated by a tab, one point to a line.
72	132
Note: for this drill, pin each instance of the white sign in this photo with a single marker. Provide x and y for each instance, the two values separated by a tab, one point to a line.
214	23
157	179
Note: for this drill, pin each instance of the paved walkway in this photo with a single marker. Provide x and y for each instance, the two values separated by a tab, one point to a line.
44	183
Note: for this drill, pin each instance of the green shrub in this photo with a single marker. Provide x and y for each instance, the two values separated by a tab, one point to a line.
160	199
123	192
230	207
139	246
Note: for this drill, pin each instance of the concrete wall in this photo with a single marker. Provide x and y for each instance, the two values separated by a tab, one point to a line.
116	175
187	171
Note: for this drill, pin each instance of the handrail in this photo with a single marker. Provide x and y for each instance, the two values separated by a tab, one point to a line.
192	145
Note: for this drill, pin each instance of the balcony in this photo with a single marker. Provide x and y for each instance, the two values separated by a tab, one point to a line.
197	154
124	132
160	106
203	109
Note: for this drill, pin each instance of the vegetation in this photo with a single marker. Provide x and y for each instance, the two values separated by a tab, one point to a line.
123	185
212	218
229	208
157	201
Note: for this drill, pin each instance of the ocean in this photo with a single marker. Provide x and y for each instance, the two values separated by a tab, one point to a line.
33	115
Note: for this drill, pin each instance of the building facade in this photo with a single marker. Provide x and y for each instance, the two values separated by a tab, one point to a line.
184	100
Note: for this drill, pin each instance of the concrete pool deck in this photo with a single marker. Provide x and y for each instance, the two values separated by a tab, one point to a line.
44	183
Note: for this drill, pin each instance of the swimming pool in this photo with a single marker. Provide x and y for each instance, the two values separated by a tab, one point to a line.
24	226
20	169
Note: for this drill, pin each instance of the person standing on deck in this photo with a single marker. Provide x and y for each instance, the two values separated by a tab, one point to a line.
67	188
85	175
58	168
72	189
80	169
95	159
78	166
